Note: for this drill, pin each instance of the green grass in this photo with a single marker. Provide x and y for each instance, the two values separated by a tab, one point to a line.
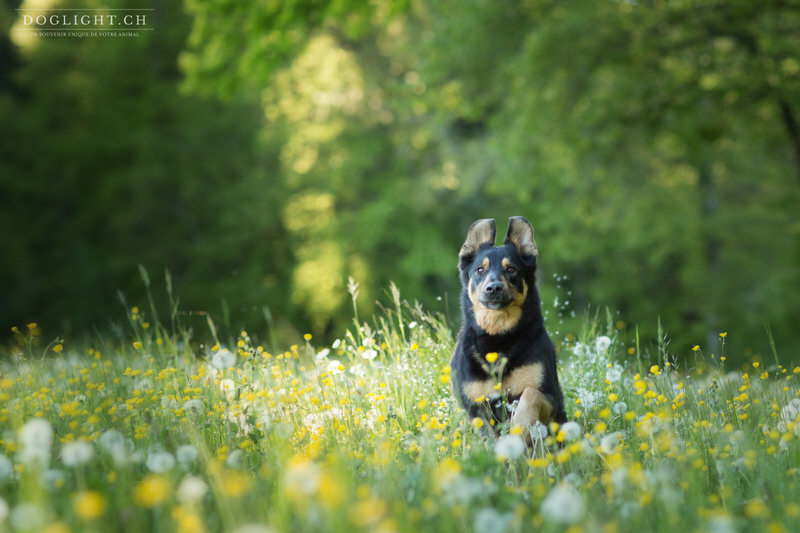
364	435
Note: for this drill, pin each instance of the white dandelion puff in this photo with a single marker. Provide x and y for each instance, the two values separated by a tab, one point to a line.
6	468
601	344
186	454
563	505
111	439
191	489
223	359
571	430
620	408
36	433
194	406
538	431
489	519
160	462
509	447
76	453
369	355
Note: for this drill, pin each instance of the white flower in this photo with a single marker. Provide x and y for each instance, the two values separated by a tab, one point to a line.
563	505
610	442
194	406
36	432
6	468
580	349
538	431
111	439
488	519
336	344
223	359
186	454
720	524
28	517
334	367
620	408
369	355
322	354
191	489
3	510
613	375
160	462
572	431
76	453
601	344
509	447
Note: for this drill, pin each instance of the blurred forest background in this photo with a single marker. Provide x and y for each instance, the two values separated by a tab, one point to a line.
263	152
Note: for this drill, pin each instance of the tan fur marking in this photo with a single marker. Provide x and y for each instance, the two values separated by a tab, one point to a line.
520	379
532	407
505	263
485	263
496	321
524	377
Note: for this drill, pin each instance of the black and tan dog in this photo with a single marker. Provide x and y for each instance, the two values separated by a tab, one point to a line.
502	318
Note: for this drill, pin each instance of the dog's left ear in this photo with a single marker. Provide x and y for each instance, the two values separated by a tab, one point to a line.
520	234
481	233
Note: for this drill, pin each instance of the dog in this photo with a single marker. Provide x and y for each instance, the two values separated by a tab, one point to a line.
504	363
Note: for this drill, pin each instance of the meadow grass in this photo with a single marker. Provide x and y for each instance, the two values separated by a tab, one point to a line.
159	433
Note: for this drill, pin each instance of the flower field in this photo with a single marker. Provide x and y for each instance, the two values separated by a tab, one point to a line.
160	433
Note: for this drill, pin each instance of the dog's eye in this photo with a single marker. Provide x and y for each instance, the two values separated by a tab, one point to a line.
480	270
511	270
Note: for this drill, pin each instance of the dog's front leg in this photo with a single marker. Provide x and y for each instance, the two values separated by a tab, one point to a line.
533	407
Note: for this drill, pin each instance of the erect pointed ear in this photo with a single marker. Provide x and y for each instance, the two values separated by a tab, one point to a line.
520	234
481	233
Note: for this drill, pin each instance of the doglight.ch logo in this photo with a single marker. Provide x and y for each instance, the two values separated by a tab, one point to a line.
76	22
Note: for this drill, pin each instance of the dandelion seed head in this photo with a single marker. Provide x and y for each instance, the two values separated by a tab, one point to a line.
36	433
570	431
186	454
76	453
613	374
509	447
489	519
563	505
191	489
160	462
602	344
223	359
6	468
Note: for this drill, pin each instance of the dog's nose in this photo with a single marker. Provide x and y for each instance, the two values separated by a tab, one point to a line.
493	287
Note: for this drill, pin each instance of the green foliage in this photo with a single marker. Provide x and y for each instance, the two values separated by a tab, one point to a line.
265	152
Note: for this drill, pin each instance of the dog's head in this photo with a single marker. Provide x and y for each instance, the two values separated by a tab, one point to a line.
496	278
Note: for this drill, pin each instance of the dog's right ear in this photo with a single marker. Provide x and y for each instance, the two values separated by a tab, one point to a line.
481	233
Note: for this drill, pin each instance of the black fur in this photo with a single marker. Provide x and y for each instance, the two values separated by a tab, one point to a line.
523	341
